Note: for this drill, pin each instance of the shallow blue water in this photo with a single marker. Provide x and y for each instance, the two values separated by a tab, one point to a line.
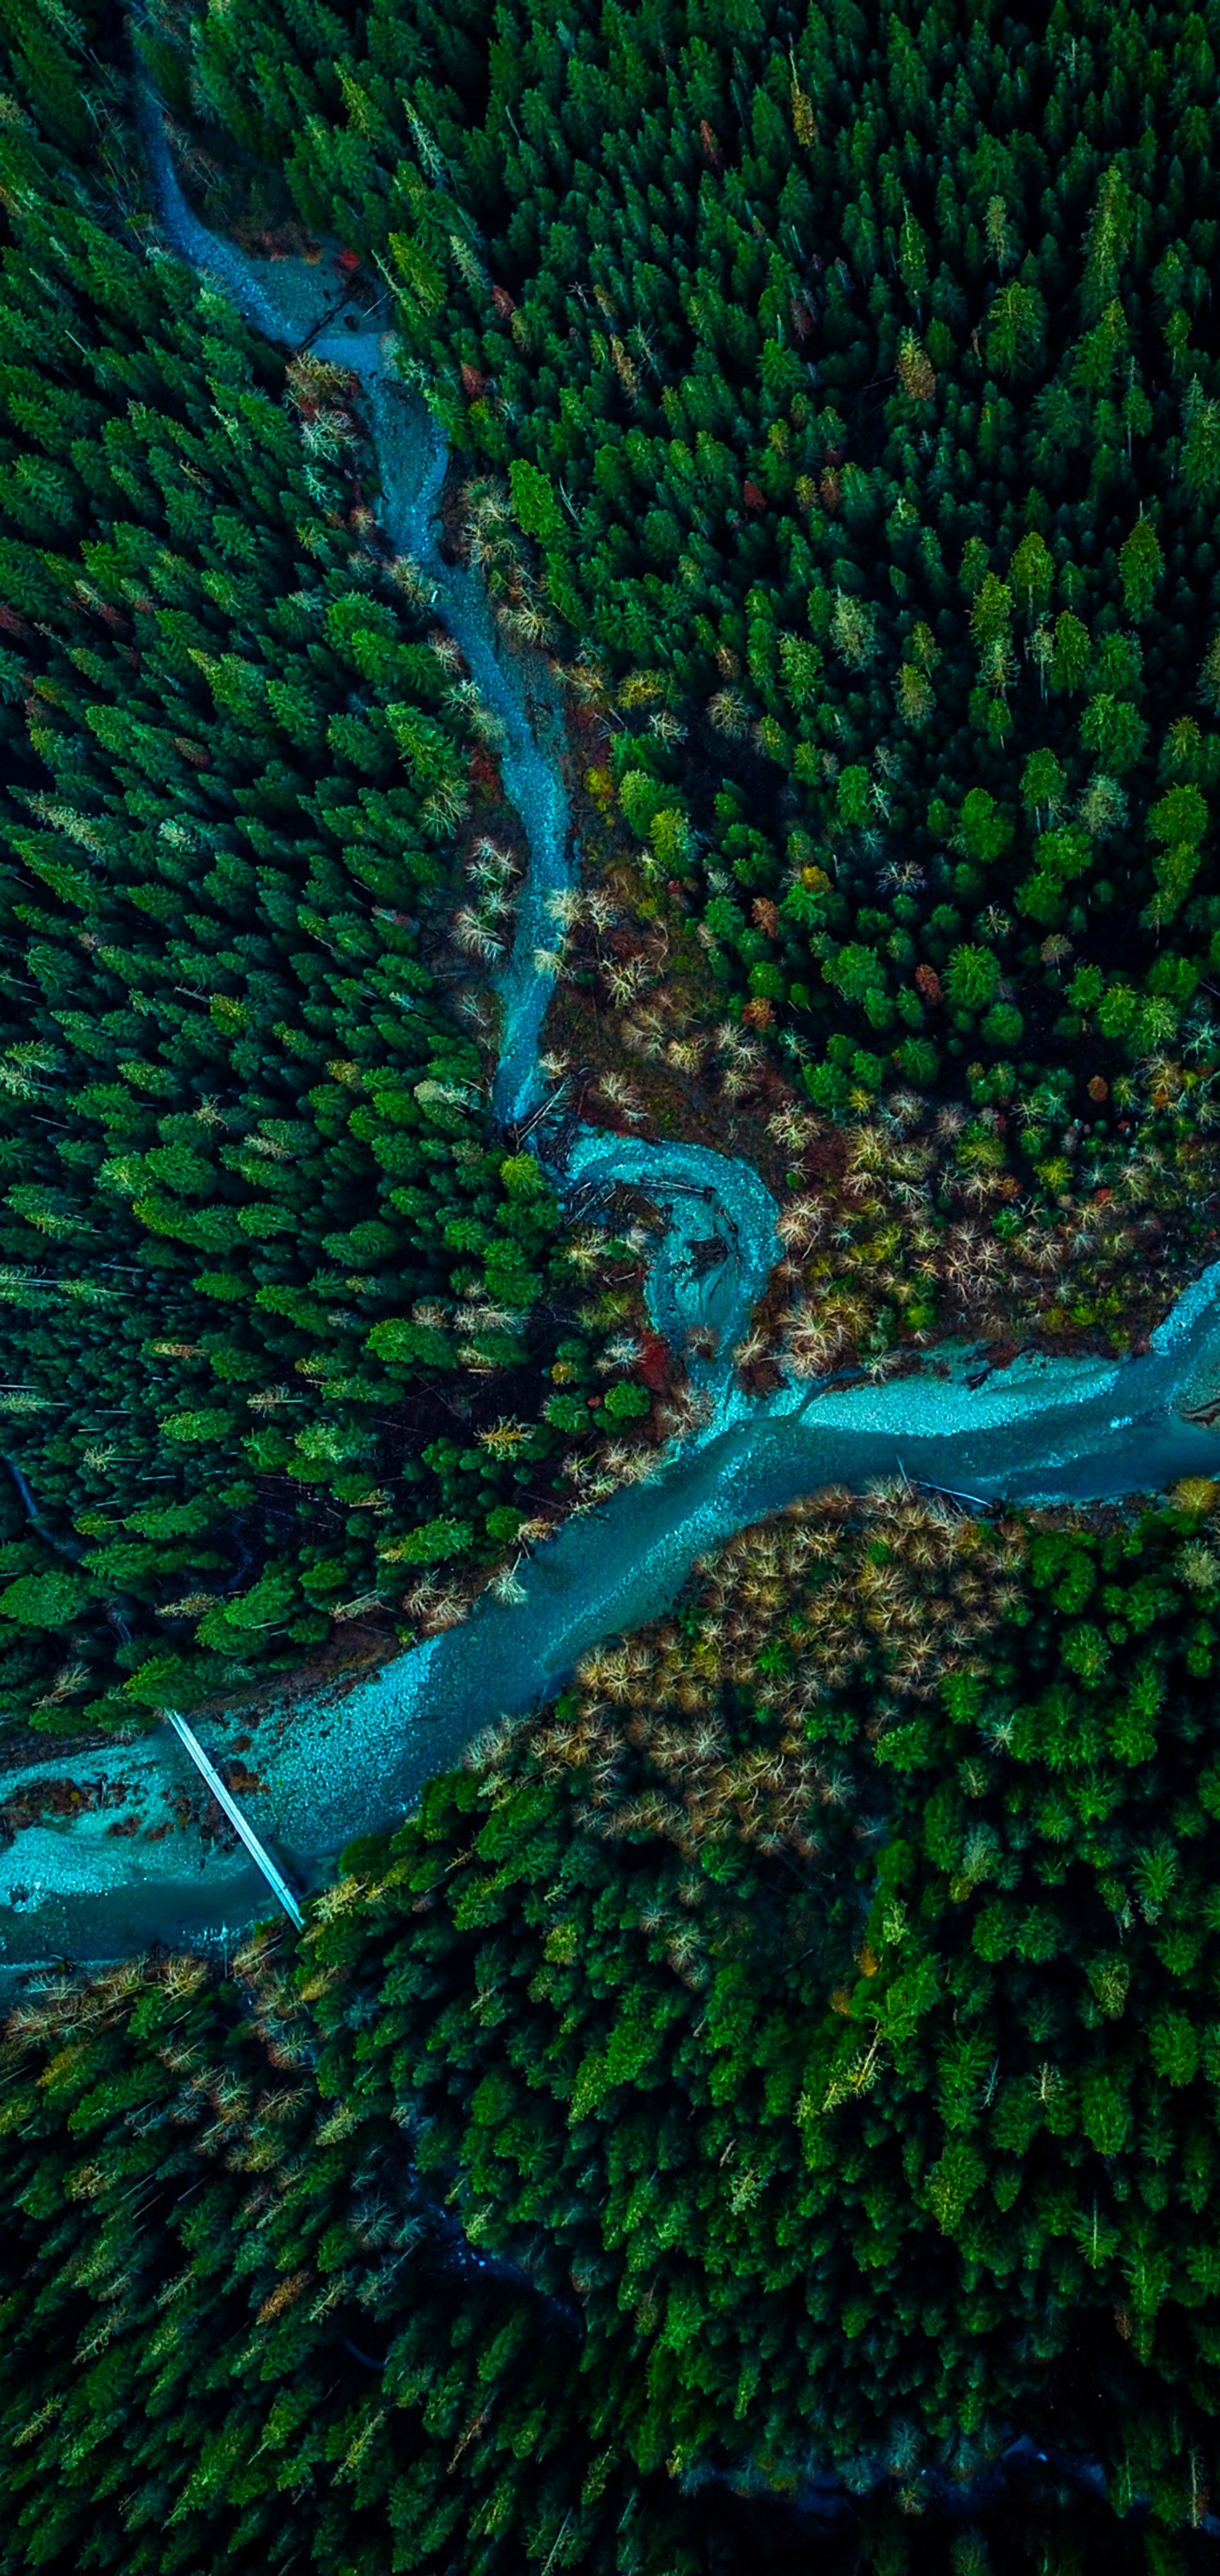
1045	1430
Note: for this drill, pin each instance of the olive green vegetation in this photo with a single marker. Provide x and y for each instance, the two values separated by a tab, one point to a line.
853	370
280	1311
794	2050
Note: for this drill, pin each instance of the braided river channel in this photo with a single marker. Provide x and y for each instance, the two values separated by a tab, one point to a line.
121	1872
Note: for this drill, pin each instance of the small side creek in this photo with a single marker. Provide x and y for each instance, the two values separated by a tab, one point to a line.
121	1871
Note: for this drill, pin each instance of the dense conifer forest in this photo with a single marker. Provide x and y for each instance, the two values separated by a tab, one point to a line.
794	2052
295	1332
767	2100
853	373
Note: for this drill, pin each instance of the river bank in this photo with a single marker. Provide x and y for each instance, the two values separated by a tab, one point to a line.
123	1868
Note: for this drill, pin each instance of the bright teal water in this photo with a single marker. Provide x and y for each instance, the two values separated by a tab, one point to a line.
1045	1430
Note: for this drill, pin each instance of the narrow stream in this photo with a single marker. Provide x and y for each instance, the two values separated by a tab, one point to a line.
123	1873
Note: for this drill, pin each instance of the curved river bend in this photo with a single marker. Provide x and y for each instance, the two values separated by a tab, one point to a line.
1044	1430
